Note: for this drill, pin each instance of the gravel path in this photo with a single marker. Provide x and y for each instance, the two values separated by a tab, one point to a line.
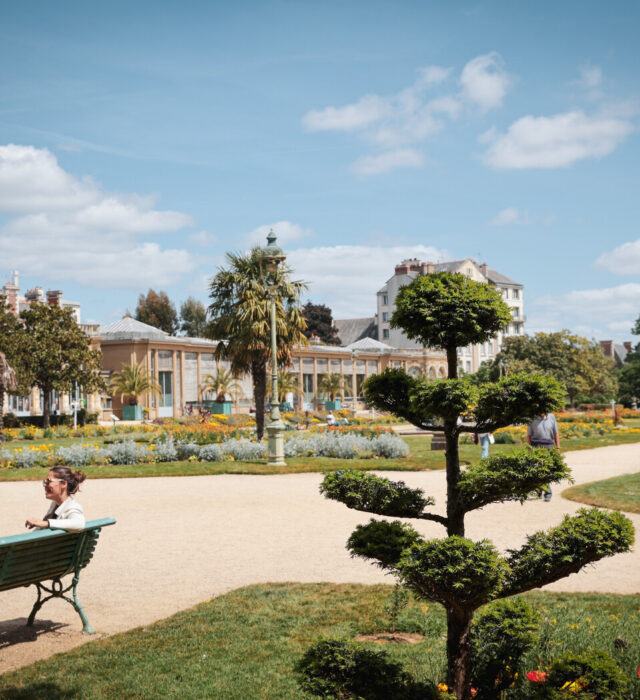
179	541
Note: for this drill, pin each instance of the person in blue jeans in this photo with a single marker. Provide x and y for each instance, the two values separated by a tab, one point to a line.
543	432
485	440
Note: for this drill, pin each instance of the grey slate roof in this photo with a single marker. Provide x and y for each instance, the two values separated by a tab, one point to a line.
369	345
352	329
128	328
500	279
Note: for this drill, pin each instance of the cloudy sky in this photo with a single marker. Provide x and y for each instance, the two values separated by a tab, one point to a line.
141	141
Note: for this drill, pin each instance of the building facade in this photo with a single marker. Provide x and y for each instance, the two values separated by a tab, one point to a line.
470	358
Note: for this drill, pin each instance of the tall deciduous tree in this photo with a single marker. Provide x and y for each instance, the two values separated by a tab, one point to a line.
193	318
11	347
448	311
629	374
8	382
319	320
240	318
57	354
156	309
577	362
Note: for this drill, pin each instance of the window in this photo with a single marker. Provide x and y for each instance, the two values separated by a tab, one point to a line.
515	312
385	333
468	367
385	316
515	293
385	299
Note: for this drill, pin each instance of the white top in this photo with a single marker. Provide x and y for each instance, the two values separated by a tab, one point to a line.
69	515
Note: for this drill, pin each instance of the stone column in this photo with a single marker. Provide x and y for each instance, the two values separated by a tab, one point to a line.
35	409
182	377
65	408
176	409
315	382
198	377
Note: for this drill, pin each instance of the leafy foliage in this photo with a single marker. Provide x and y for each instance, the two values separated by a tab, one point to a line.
222	383
446	311
132	381
502	634
381	541
157	310
453	570
373	494
193	318
593	675
548	556
391	391
333	384
505	477
334	669
447	398
240	317
319	320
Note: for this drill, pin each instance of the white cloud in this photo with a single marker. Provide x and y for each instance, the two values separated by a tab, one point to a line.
590	77
347	277
69	228
484	81
510	217
555	142
286	232
623	260
203	239
401	158
593	313
413	114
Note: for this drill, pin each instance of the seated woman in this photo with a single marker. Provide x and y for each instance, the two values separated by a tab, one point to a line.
65	513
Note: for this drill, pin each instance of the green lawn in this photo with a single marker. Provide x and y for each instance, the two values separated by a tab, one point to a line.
420	458
245	644
618	493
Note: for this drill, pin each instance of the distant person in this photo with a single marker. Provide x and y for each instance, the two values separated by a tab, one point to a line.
543	432
331	419
65	513
307	420
485	439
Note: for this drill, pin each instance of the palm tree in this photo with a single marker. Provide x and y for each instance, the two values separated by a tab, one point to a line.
8	383
133	381
240	319
287	384
332	384
221	383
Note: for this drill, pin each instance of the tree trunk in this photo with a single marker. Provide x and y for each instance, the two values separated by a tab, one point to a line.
259	377
459	652
452	362
455	515
1	408
46	420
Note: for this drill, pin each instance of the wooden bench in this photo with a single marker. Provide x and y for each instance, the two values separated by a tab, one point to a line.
48	555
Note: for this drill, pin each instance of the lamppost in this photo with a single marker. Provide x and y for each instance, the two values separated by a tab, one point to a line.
272	256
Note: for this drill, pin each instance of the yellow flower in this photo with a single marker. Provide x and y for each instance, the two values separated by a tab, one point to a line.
443	687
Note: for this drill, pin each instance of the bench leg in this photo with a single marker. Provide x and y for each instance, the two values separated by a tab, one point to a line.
57	591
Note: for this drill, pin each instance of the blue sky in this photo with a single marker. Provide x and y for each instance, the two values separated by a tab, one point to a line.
141	141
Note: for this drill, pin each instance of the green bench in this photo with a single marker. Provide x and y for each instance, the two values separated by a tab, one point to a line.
48	555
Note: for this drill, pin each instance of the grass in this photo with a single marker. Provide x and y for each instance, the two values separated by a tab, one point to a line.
245	644
420	458
617	493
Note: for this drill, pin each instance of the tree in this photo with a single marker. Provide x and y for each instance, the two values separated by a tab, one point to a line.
577	362
157	310
320	323
11	345
629	374
56	354
288	383
333	384
240	319
193	318
132	381
221	383
448	311
8	382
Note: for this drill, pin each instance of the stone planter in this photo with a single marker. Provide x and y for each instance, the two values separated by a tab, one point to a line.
132	413
333	405
223	408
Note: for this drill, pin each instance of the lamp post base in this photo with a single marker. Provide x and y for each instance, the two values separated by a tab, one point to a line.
275	440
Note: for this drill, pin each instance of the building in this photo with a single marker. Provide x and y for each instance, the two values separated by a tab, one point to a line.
616	351
471	357
18	303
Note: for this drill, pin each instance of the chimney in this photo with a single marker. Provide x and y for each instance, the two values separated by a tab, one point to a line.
607	347
402	269
12	299
54	297
484	268
627	345
15	278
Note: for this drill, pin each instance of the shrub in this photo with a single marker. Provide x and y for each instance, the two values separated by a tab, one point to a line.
6	458
187	449
390	446
333	669
126	452
593	674
244	451
25	459
76	455
502	633
166	451
210	453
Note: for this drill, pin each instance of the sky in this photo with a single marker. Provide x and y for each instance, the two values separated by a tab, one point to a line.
140	142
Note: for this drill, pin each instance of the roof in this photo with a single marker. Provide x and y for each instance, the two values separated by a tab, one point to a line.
500	279
128	328
352	329
369	345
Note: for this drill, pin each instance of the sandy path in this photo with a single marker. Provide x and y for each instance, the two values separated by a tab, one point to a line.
179	541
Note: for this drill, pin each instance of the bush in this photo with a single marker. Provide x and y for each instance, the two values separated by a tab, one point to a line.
187	449
593	674
126	452
244	451
166	451
502	633
333	669
76	455
210	453
25	459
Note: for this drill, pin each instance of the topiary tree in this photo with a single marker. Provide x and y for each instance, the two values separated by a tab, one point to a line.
448	311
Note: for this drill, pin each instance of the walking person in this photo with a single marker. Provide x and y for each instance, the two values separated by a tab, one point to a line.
485	440
543	432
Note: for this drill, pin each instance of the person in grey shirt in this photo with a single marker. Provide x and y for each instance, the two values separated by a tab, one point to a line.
543	432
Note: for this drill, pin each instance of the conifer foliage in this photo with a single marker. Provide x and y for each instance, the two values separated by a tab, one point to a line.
448	311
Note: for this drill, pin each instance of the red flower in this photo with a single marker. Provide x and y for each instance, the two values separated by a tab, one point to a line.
537	676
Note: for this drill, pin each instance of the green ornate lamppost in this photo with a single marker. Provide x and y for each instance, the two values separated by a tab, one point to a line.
272	257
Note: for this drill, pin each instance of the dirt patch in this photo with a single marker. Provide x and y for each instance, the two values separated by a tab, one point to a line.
392	638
